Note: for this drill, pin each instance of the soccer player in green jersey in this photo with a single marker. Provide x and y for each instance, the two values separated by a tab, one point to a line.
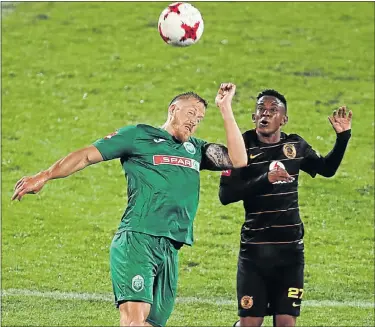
162	170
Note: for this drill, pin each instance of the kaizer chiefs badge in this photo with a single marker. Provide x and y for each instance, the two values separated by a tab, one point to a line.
247	302
289	150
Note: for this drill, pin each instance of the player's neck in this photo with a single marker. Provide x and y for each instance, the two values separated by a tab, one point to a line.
271	138
169	128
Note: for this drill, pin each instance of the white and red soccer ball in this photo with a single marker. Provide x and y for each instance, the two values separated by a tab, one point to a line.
180	24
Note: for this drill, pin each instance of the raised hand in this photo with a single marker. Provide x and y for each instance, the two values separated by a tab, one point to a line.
340	121
225	95
28	185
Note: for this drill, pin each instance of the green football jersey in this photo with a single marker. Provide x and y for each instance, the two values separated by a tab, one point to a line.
163	180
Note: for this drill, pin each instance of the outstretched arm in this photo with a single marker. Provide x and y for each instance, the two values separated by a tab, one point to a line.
235	143
235	187
115	145
217	156
328	165
64	167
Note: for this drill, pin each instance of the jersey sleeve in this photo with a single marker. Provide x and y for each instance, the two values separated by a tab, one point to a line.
236	186
202	145
215	157
118	144
313	163
204	162
230	180
311	159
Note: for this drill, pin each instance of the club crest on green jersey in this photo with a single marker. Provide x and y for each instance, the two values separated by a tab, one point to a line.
138	283
189	147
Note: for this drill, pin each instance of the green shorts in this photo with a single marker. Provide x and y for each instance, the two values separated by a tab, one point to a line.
145	268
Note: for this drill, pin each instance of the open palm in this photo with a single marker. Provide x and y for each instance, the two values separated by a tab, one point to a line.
340	121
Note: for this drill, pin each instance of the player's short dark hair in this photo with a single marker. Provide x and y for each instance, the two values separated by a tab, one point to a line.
273	93
189	95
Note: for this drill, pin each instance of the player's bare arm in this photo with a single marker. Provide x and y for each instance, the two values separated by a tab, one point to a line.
235	144
64	167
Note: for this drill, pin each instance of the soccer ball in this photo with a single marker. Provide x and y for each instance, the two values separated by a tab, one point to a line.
180	24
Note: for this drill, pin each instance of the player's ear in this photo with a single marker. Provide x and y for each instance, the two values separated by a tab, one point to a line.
253	118
171	109
284	120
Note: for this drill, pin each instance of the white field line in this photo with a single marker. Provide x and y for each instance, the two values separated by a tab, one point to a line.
184	300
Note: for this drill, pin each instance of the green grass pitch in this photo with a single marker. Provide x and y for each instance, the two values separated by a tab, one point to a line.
74	72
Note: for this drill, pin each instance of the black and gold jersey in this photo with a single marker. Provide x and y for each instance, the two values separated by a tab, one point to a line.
272	210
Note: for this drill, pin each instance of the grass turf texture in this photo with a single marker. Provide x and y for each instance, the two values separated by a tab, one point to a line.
74	72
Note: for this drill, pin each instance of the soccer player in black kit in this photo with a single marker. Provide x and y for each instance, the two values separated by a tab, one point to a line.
271	258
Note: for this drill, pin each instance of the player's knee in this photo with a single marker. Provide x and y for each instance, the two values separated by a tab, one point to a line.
285	324
285	321
132	321
129	317
250	322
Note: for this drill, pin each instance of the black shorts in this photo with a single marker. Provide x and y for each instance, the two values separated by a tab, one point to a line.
269	280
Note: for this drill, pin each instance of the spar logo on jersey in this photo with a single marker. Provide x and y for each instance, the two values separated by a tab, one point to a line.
175	161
